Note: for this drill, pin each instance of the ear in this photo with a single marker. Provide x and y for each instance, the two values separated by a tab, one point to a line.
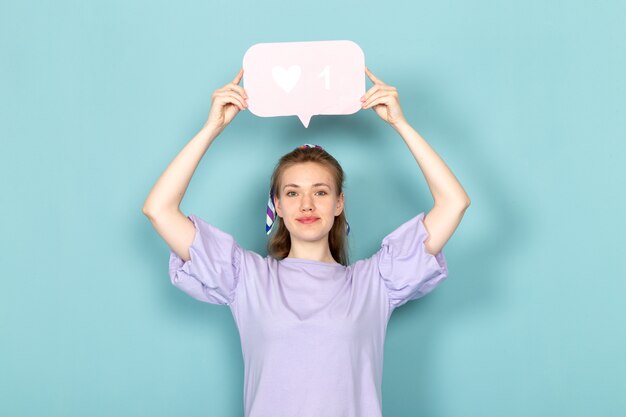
277	207
340	205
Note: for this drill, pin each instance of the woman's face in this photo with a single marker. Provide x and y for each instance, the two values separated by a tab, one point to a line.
308	190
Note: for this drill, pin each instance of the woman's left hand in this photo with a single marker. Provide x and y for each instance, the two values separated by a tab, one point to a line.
384	99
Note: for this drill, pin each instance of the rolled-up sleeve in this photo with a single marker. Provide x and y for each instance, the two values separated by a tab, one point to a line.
212	273
408	271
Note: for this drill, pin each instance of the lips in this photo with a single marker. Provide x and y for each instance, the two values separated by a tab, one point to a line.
307	220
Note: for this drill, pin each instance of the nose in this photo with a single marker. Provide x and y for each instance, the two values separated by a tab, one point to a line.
306	204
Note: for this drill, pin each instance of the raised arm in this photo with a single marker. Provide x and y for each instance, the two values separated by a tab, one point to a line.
451	201
450	198
162	206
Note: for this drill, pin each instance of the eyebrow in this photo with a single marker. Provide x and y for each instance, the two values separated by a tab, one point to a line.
318	184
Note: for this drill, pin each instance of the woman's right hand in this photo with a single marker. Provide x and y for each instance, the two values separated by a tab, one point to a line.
227	102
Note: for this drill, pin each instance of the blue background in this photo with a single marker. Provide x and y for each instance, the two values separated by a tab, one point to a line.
524	101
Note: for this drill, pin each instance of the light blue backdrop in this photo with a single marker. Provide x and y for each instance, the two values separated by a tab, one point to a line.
523	100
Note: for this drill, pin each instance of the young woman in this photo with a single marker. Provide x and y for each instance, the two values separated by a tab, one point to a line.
312	325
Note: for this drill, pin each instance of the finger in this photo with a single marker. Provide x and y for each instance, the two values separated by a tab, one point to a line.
237	88
374	97
241	103
238	77
374	79
376	88
382	100
231	98
369	92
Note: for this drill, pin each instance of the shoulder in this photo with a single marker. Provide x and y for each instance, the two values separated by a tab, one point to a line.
364	265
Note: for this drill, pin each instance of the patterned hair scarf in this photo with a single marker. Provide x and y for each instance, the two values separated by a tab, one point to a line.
270	217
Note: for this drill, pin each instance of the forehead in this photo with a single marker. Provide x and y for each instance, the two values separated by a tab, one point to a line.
307	173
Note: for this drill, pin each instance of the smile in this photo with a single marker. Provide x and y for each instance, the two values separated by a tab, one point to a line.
307	221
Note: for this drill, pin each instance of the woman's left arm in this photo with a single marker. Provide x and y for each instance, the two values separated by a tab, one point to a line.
450	198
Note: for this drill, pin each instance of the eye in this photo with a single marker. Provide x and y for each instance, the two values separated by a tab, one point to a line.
289	192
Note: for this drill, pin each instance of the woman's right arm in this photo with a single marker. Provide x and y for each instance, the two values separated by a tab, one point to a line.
162	206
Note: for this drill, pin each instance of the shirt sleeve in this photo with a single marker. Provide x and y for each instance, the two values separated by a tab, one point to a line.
212	273
408	271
